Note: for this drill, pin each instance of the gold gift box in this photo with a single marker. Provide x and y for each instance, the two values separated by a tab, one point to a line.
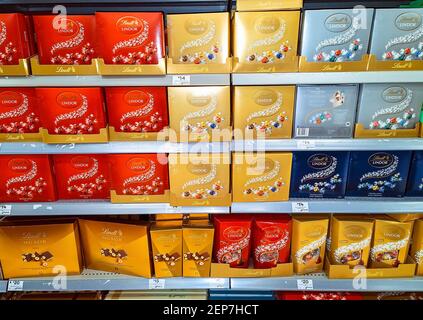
138	136
223	270
267	5
19	137
361	132
130	69
21	69
416	250
38	69
101	137
265	41
379	65
346	66
198	43
123	198
256	109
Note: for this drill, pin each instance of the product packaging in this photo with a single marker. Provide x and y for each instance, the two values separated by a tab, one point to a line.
415	177
266	5
416	250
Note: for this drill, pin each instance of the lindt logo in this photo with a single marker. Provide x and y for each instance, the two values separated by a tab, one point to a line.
138	164
235	233
199	169
320	161
19	165
69	99
314	232
196	27
355	233
10	99
67	27
112	233
199	100
81	162
393	233
30	235
129	25
338	22
408	21
265	97
394	94
136	98
380	160
272	233
267	25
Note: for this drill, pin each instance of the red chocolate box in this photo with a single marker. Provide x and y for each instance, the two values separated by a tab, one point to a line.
139	174
82	176
72	110
271	240
130	37
232	240
26	178
18	111
137	109
65	40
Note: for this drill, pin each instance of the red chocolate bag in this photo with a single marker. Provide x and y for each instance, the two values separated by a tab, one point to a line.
14	38
82	176
19	111
139	174
72	110
271	240
26	178
232	240
130	37
137	109
65	40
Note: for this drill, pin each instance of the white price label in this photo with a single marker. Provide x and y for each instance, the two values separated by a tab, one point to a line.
219	282
156	283
15	285
305	284
300	207
181	80
5	209
306	144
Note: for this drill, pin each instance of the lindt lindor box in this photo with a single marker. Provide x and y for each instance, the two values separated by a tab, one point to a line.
267	5
378	173
116	246
325	111
389	110
266	41
200	114
319	174
263	112
330	36
261	176
199	42
416	250
397	41
415	177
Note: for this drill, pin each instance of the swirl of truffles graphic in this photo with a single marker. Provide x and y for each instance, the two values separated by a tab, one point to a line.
27	191
87	188
28	125
143	188
6	56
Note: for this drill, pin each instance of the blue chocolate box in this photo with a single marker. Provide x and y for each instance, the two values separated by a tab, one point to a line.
319	174
415	177
378	173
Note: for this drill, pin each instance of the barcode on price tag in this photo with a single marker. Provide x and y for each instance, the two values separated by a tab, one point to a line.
156	283
15	285
306	144
300	207
181	80
305	284
5	210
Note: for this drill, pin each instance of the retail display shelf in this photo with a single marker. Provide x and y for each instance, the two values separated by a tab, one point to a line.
113	81
3	286
320	282
113	147
98	280
328	144
240	79
347	205
91	207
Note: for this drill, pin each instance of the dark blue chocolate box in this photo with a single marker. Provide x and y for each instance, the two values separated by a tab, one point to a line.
319	174
415	177
378	173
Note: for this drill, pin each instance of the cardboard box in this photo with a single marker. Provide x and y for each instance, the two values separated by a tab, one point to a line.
416	250
266	5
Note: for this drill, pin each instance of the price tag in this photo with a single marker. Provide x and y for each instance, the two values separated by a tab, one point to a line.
156	283
175	210
306	144
15	285
219	282
181	80
5	210
300	207
305	284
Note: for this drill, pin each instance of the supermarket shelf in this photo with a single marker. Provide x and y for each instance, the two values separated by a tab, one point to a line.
322	283
100	208
111	81
3	286
328	144
326	77
98	280
113	147
347	205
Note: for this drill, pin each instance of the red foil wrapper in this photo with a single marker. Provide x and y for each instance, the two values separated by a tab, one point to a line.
271	240
14	38
232	240
19	111
318	296
84	176
137	109
65	40
72	110
26	178
139	174
130	37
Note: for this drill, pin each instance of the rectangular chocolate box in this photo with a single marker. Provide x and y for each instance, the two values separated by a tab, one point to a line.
336	35
319	174
326	111
378	173
415	177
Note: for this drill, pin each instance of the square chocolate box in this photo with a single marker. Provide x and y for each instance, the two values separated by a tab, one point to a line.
415	177
326	111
